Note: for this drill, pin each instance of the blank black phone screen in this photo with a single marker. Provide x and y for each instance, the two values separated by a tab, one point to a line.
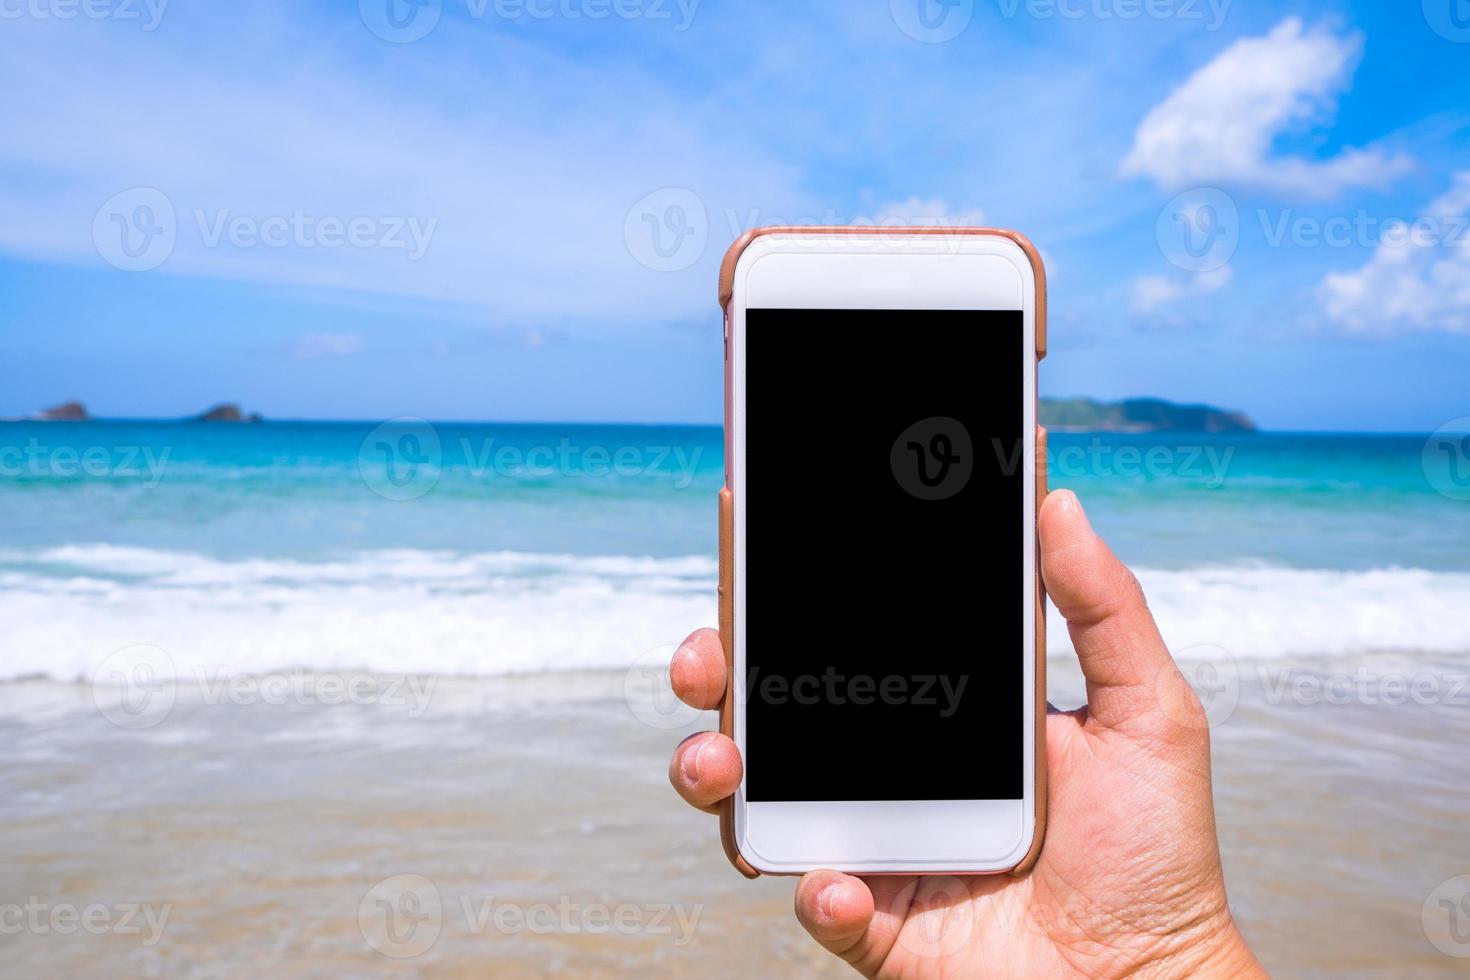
884	544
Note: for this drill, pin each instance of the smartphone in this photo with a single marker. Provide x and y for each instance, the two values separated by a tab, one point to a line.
880	598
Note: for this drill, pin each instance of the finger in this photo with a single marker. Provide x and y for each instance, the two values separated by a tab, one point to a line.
1118	644
697	671
705	769
838	911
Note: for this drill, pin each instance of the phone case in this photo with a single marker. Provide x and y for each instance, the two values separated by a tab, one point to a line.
727	525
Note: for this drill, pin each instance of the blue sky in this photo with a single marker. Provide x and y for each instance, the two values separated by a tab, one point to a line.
273	204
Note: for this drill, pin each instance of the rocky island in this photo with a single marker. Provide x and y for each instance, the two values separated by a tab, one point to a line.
227	413
72	411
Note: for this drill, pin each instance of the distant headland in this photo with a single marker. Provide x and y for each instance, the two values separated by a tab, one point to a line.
1138	415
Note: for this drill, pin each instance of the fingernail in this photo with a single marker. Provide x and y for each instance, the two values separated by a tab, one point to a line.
826	899
689	765
1068	502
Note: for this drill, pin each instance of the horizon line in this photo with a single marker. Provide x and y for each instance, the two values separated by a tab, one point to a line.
246	423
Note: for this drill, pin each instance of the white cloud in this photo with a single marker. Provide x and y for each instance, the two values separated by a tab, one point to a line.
1418	278
1220	124
1153	293
526	189
328	345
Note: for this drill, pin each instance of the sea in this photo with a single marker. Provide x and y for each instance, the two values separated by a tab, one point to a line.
492	549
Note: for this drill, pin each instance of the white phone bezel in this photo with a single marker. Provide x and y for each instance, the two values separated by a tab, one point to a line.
878	271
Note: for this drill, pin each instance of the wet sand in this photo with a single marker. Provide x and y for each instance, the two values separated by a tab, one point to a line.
525	827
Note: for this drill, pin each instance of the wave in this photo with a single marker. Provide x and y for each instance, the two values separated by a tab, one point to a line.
1267	612
66	609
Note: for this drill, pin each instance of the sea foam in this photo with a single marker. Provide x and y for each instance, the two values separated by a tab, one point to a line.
66	609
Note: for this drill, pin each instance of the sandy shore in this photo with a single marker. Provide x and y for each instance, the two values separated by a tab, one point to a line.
524	827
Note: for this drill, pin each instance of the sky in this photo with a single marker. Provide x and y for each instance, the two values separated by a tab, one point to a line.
515	209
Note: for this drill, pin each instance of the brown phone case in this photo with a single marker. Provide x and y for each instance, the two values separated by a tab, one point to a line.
727	525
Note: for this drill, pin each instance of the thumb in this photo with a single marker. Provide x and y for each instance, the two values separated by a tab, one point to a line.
1123	657
843	914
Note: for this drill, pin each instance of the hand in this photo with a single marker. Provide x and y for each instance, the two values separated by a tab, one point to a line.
1129	878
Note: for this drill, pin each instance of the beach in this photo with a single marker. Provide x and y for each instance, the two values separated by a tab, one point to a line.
280	703
257	832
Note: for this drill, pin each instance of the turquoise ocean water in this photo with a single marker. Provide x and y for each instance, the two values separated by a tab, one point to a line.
487	549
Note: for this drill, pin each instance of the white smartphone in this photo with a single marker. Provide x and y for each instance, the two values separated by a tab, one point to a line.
880	603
